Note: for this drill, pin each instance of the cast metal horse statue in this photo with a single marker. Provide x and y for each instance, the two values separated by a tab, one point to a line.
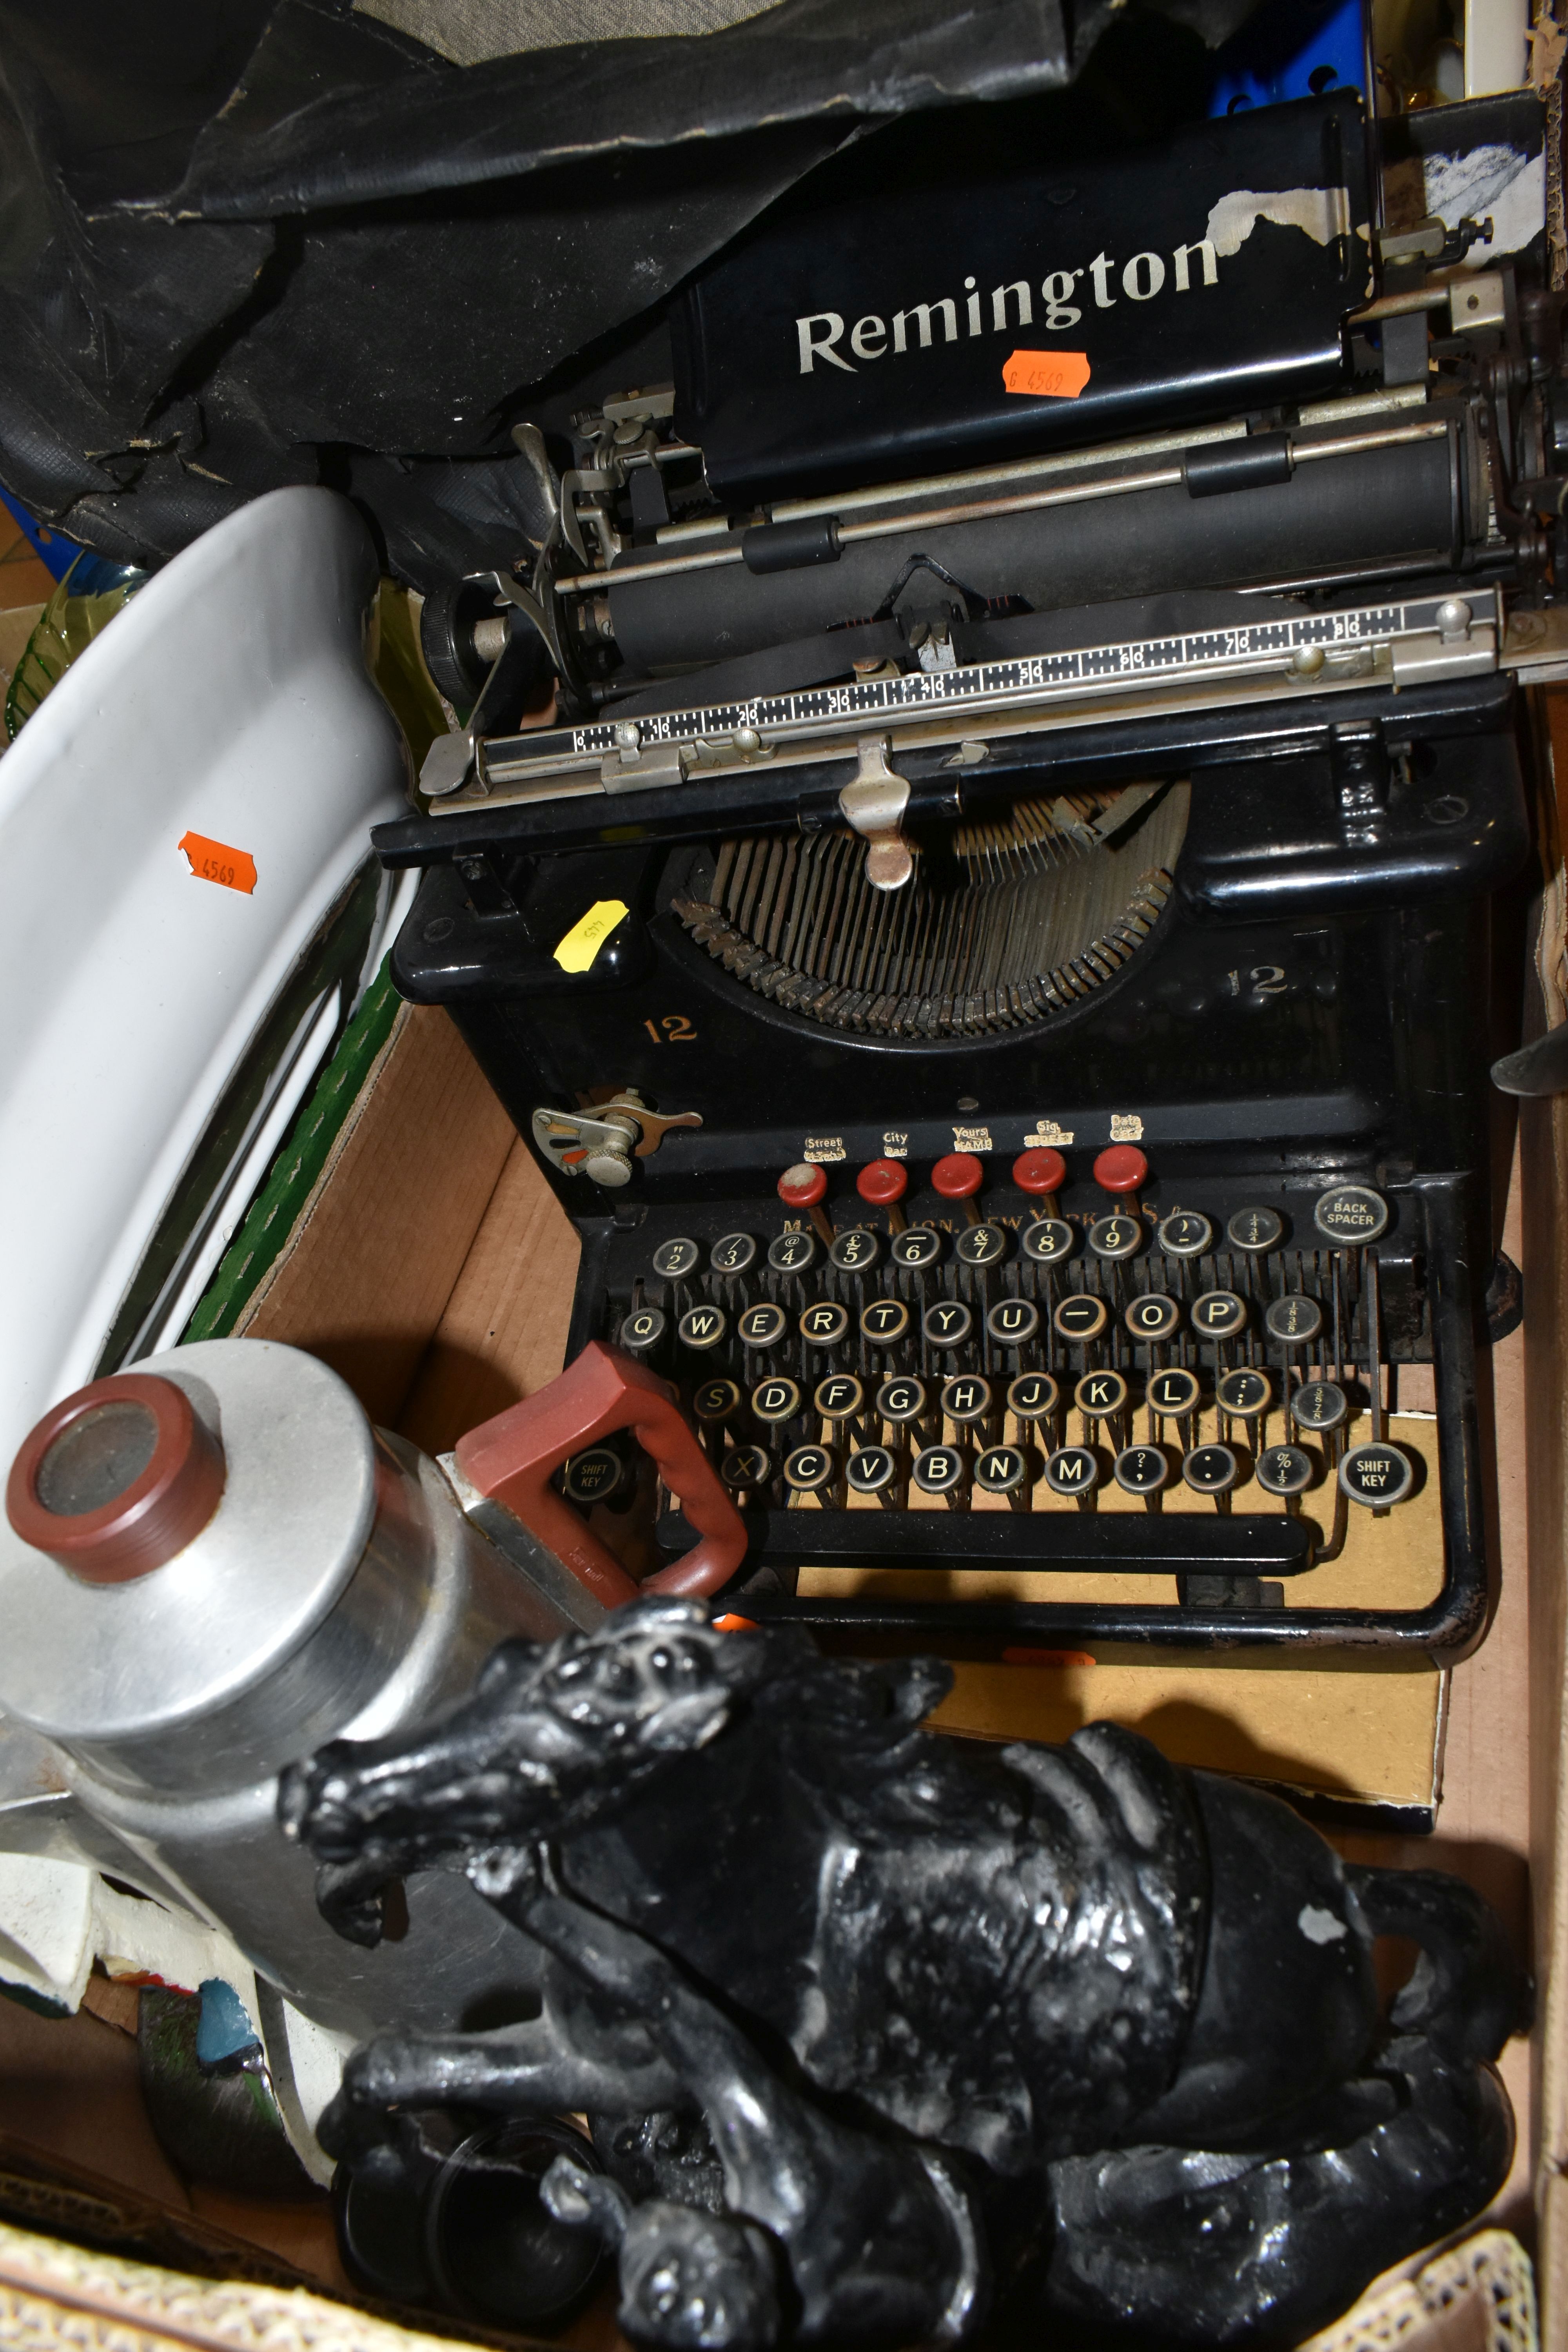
879	2030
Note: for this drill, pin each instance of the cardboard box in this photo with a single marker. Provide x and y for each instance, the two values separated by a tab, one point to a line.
432	1268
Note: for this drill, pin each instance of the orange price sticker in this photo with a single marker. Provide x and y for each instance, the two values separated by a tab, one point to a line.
1050	375
215	861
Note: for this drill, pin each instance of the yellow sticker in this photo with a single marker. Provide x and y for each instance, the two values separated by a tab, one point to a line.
587	935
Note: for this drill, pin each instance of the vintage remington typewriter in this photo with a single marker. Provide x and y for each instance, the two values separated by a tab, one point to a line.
968	858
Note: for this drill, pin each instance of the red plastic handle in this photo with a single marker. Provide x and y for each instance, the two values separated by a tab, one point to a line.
510	1459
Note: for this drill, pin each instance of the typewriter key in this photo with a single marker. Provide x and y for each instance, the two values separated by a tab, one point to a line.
1042	1172
947	1323
763	1326
884	1322
1122	1171
1350	1214
1153	1317
1218	1314
1377	1474
873	1471
673	1259
1048	1240
901	1400
1072	1470
594	1476
1293	1320
702	1327
1142	1469
1080	1316
1284	1470
1014	1321
1033	1396
967	1399
1210	1469
919	1246
856	1251
839	1397
1116	1238
1099	1394
1256	1229
957	1176
791	1252
1320	1406
938	1470
981	1245
1183	1233
747	1467
715	1401
1173	1393
825	1322
809	1469
804	1186
775	1401
1244	1394
642	1330
882	1183
733	1254
1004	1470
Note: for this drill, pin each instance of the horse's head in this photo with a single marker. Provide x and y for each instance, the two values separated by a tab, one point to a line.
552	1738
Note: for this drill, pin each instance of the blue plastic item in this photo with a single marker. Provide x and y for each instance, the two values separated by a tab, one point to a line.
224	2028
1291	48
94	575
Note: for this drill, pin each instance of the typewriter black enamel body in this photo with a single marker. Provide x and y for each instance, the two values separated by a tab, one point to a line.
969	860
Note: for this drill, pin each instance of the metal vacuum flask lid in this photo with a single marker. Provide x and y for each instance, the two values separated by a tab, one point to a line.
117	1479
185	1531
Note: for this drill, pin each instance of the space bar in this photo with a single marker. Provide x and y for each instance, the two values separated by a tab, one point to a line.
1182	1543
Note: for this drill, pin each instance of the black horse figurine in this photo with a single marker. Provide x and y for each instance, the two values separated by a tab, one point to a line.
882	2034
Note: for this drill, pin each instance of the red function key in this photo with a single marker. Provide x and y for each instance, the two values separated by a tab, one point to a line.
1043	1173
883	1183
957	1176
803	1186
1122	1171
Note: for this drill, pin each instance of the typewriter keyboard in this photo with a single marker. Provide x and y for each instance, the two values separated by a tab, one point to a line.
1204	1388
